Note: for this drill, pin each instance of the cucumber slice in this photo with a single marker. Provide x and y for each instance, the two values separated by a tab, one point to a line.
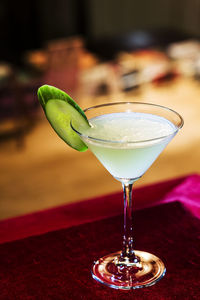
60	113
47	92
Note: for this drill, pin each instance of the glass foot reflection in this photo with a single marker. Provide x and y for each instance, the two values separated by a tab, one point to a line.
144	273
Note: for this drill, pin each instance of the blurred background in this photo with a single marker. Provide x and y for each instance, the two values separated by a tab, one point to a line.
97	51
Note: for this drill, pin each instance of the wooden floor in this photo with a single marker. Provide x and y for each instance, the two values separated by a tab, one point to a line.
47	173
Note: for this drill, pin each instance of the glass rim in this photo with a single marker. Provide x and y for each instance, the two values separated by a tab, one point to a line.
129	142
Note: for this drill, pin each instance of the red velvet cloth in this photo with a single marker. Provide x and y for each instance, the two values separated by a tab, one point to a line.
82	212
56	265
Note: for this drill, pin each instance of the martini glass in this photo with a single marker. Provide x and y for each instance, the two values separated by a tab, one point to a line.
127	156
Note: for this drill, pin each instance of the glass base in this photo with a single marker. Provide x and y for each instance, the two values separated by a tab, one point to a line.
145	272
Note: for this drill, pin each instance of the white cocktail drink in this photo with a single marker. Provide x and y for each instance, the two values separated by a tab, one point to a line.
126	137
127	143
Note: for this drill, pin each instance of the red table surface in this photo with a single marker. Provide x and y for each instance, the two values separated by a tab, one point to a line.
56	264
82	212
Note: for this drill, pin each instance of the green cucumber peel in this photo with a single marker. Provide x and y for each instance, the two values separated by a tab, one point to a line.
47	92
60	110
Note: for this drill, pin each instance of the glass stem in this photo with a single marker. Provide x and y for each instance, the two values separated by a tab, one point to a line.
127	254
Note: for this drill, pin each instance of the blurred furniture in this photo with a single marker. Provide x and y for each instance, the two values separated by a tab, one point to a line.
66	58
109	46
17	107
